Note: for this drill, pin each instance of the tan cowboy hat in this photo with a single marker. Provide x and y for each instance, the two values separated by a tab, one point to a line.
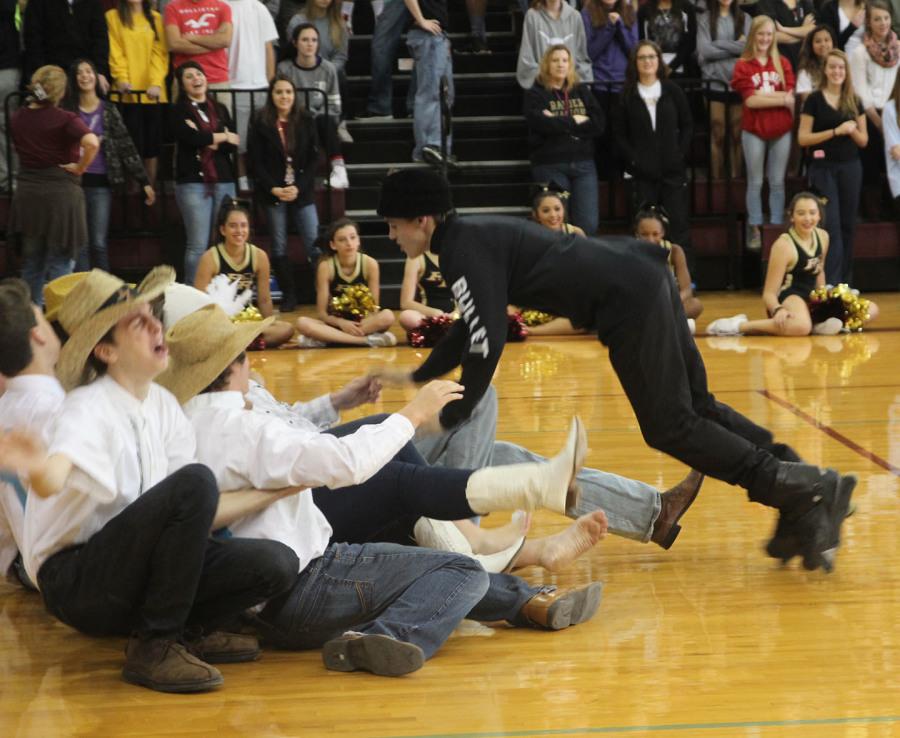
92	308
55	292
201	346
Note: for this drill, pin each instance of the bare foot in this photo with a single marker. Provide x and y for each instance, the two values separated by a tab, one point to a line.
488	541
561	549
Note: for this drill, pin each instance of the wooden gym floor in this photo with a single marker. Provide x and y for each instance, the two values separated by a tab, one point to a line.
710	639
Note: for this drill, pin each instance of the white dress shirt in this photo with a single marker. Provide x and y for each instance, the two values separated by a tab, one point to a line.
120	447
248	448
31	402
316	415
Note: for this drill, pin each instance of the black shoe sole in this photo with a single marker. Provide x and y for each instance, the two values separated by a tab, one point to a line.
377	654
229	657
204	685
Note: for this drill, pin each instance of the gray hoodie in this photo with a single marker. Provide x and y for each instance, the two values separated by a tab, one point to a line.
718	56
541	31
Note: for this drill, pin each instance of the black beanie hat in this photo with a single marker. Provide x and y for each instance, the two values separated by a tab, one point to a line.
409	193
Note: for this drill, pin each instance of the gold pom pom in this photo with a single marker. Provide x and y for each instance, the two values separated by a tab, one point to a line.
354	303
249	314
532	318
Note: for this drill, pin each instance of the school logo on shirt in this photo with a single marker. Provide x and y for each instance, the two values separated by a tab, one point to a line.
767	81
478	341
204	21
813	265
555	40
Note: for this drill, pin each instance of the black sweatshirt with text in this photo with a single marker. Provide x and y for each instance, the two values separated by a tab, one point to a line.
492	261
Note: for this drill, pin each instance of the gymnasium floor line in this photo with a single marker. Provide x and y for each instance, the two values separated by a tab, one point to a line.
832	433
612	730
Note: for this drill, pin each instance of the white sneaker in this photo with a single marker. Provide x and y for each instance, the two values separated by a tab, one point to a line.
830	327
343	133
726	326
243	184
307	342
339	179
692	325
381	339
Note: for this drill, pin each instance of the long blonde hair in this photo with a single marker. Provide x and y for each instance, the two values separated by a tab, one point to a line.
847	100
543	75
336	28
750	45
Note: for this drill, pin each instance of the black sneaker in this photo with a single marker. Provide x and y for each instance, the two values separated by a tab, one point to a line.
474	45
369	115
432	155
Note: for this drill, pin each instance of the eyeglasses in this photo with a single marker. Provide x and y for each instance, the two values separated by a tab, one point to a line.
647	57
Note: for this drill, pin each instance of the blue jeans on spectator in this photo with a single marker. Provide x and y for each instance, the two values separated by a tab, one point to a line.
306	220
198	204
433	61
840	182
580	179
389	27
411	594
772	156
42	262
97	201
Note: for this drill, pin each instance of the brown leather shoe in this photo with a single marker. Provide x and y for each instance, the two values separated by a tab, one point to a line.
675	503
375	653
560	608
220	647
166	666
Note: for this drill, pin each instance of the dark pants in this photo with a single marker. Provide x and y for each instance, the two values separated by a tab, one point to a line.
672	194
662	373
153	569
326	127
840	183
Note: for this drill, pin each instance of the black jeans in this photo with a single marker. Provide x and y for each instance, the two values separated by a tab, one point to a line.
153	570
662	373
671	192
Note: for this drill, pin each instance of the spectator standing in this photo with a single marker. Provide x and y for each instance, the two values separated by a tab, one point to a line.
308	70
890	120
794	21
811	66
47	207
201	31
282	154
204	172
653	126
873	69
550	23
139	60
672	24
845	17
61	31
389	27
117	156
765	81
721	32
10	77
429	44
251	62
563	119
833	128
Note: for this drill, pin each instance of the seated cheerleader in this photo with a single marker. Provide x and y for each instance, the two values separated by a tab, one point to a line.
347	288
424	293
548	209
244	263
650	225
796	268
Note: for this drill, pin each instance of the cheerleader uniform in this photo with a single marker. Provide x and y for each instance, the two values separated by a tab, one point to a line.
244	272
433	290
801	280
339	282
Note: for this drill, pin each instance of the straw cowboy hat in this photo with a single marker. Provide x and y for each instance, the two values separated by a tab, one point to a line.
92	308
201	346
55	292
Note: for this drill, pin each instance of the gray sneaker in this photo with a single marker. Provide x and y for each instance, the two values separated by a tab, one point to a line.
381	339
727	326
307	342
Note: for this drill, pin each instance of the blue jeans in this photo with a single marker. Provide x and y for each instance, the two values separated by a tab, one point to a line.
97	201
840	182
579	178
41	262
411	594
198	204
306	220
389	28
433	61
773	156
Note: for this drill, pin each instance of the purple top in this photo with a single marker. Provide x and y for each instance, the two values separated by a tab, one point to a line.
94	121
609	47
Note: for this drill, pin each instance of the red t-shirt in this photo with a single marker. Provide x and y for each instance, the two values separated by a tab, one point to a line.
750	77
201	18
47	136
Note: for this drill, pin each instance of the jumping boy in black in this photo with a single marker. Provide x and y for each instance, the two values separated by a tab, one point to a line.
623	289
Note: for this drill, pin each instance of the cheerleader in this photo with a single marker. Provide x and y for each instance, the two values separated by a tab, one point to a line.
424	293
347	268
796	268
244	263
